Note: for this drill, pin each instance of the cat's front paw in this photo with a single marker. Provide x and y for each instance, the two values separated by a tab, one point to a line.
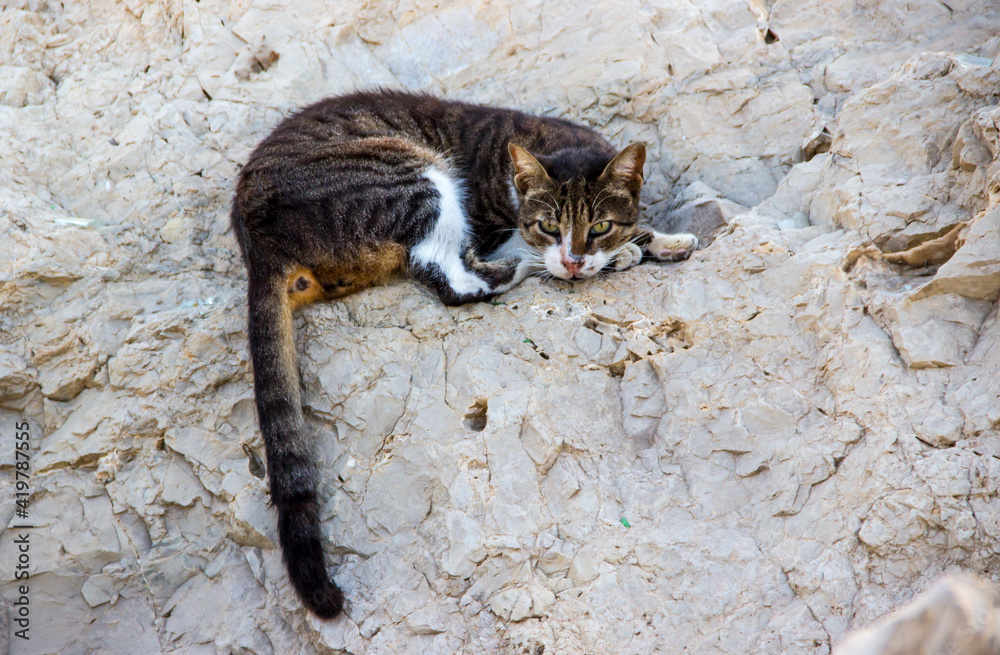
629	256
672	247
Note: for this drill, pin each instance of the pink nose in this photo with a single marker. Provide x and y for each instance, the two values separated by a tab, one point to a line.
573	266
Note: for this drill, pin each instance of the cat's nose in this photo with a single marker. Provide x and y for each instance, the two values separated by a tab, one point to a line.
573	265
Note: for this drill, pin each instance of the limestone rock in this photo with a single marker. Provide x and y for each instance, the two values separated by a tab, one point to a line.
15	377
20	86
959	614
974	270
904	162
937	331
703	213
757	450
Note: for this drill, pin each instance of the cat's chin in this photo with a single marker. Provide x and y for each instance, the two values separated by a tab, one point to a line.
566	277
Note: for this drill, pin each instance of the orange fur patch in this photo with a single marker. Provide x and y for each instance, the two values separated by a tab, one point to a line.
338	278
303	287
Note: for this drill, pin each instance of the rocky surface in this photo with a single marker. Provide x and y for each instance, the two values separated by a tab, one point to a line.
754	451
959	614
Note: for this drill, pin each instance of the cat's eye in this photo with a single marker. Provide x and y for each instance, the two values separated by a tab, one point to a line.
548	227
600	228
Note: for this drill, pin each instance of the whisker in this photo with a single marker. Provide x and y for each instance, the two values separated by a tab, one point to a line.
554	201
598	204
597	200
508	230
542	202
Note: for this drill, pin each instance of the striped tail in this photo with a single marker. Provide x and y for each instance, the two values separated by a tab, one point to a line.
289	454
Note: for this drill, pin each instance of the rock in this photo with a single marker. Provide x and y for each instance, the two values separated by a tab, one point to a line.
20	86
15	377
25	39
758	450
936	331
99	589
65	368
792	200
959	614
907	178
974	270
933	251
704	215
816	143
520	604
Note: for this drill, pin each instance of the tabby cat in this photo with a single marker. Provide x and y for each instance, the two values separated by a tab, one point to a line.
466	199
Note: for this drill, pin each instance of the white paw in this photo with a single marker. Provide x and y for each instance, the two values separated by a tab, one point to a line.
628	257
672	247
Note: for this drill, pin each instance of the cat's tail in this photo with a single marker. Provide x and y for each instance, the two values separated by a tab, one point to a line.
290	463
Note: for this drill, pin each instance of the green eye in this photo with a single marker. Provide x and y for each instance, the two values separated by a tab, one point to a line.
601	228
548	227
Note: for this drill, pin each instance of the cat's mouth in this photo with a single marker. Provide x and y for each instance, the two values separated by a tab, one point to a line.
575	274
573	277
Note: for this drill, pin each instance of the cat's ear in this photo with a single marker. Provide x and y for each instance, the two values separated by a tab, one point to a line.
626	168
528	172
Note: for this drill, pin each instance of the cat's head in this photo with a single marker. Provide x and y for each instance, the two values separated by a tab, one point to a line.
577	209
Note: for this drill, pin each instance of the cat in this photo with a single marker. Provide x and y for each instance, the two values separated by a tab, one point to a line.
467	199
